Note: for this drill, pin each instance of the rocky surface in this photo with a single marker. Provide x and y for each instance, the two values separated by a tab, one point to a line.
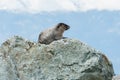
117	77
65	59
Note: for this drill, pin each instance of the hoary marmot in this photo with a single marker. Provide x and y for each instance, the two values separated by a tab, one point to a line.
52	34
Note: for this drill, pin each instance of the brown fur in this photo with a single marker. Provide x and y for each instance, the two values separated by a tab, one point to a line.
52	34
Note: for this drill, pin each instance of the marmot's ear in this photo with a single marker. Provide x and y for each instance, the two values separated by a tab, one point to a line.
62	24
58	25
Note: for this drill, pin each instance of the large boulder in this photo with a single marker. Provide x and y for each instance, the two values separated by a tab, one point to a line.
65	59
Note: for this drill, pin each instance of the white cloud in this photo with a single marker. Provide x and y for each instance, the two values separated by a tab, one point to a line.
99	5
10	5
36	6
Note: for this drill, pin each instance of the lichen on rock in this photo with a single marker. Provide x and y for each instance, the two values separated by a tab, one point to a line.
65	59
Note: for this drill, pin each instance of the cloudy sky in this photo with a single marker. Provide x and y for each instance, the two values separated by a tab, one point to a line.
38	6
95	22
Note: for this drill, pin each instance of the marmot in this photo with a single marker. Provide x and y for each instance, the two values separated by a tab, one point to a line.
52	34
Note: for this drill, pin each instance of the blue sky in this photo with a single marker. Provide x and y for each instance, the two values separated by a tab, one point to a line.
95	22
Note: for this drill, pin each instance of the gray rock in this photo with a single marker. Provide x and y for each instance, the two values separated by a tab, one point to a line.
65	59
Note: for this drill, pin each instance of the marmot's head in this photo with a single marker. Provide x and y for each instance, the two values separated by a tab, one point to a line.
62	26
